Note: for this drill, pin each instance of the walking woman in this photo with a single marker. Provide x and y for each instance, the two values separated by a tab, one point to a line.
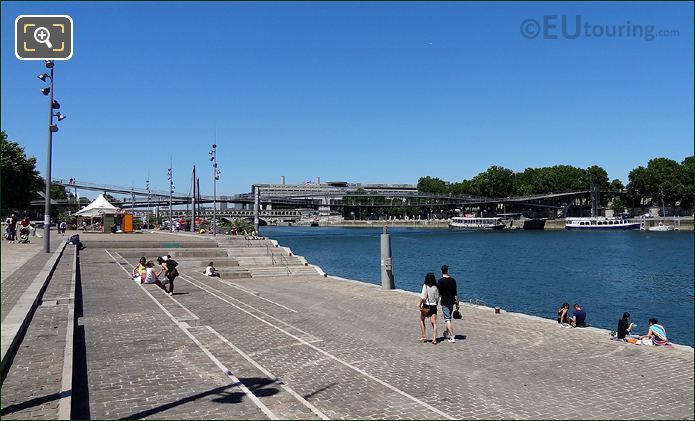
428	307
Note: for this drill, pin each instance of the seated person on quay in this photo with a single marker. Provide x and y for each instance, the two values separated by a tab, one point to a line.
625	327
562	314
656	332
578	317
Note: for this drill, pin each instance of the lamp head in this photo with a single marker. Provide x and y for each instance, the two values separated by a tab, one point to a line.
46	91
43	77
49	64
56	104
60	116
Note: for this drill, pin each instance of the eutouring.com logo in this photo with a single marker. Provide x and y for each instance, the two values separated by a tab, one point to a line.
573	27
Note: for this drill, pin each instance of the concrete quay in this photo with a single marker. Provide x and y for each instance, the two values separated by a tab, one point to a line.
282	344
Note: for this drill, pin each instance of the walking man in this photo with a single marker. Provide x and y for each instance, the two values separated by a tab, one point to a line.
449	298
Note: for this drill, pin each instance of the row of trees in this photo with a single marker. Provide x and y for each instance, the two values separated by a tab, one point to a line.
645	184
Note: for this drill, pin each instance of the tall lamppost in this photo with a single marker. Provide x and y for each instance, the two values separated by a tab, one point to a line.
147	188
52	105
170	177
215	176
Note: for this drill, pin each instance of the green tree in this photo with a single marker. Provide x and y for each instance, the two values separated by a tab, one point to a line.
664	181
597	175
431	185
494	182
20	179
617	205
688	177
637	185
616	186
58	191
465	187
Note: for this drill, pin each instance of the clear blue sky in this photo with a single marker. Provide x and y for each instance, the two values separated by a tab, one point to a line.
362	92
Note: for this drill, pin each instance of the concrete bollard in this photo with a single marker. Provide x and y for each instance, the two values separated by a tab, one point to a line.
387	281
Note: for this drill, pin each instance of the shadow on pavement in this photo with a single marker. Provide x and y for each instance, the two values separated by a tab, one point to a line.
254	384
30	403
80	381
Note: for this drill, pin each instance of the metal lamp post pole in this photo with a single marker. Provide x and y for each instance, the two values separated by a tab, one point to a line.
215	177
171	193
47	206
193	204
148	203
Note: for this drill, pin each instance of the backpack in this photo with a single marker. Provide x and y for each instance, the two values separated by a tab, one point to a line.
171	263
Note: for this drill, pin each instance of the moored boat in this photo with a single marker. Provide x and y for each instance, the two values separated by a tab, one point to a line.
601	223
472	223
661	228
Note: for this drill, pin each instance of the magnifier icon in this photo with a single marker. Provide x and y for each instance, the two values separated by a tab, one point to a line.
43	36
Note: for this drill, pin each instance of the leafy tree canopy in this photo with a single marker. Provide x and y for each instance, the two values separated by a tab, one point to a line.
20	179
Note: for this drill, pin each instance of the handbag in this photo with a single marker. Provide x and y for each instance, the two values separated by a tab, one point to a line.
457	313
425	310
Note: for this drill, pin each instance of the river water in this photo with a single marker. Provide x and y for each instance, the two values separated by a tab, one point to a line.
532	272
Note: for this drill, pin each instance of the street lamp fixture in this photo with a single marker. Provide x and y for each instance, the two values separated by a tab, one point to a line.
215	176
52	128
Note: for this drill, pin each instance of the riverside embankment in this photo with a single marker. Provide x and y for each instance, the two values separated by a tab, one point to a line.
685	224
290	343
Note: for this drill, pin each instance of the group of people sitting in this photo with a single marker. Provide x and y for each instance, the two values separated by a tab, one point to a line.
578	318
656	333
145	273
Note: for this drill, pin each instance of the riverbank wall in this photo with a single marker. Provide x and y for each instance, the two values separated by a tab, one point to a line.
686	224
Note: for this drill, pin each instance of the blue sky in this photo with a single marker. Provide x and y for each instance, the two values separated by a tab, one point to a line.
362	92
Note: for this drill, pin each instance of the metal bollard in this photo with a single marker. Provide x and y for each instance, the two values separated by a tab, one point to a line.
387	281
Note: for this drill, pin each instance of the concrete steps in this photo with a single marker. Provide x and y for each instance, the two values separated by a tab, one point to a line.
254	251
260	261
175	253
233	273
259	272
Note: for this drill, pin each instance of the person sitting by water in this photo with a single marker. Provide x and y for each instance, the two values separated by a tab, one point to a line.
625	328
578	317
211	271
562	314
140	268
656	333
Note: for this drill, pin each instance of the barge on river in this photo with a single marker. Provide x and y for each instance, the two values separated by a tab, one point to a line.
601	223
472	223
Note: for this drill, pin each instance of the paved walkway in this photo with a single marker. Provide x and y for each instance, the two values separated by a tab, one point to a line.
310	347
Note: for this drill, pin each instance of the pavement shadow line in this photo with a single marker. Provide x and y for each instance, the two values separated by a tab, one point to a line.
30	403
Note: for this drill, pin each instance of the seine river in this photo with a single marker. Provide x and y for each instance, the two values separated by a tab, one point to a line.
532	272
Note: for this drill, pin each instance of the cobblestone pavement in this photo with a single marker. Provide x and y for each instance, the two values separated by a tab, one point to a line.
351	350
139	363
20	265
32	387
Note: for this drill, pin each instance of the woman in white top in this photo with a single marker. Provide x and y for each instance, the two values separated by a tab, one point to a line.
211	271
428	306
151	276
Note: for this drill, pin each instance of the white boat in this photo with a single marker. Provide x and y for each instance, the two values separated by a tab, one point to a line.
472	223
601	223
661	227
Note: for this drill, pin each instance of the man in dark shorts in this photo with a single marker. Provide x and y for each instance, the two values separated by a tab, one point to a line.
448	298
578	317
